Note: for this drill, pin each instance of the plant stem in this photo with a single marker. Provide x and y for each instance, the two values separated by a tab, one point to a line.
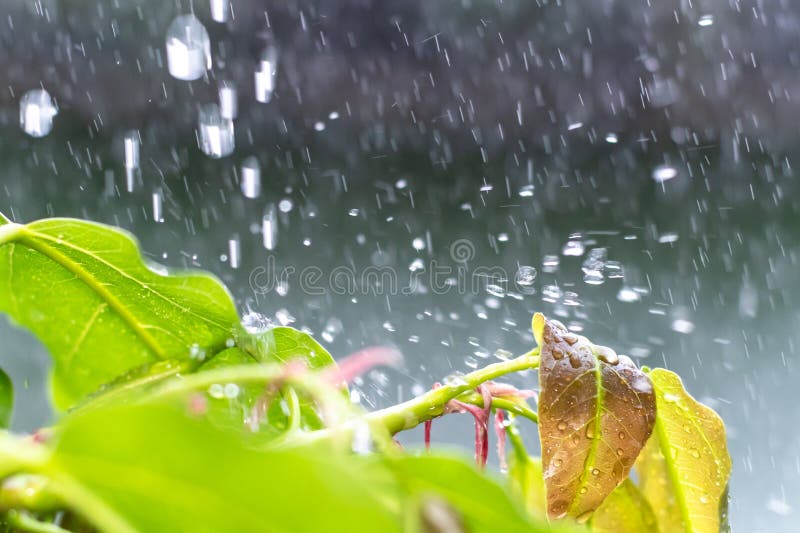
9	232
22	521
18	455
516	441
402	416
505	404
430	405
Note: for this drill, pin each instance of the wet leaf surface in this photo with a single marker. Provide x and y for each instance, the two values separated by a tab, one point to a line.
596	411
83	289
684	469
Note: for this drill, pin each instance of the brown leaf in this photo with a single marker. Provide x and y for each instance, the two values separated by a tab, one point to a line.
596	411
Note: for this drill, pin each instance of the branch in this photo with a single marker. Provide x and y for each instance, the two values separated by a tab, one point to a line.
431	405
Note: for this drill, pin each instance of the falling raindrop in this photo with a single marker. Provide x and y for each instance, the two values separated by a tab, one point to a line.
664	173
36	112
269	228
748	301
228	105
215	132
131	143
627	294
706	20
525	276
158	206
682	325
188	48
550	264
613	270
265	74
234	251
573	248
551	293
496	289
220	10
593	266
251	177
285	205
131	146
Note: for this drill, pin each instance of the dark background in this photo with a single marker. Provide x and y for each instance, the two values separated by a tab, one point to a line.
476	120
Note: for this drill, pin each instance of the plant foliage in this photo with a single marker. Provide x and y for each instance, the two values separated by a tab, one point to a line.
180	418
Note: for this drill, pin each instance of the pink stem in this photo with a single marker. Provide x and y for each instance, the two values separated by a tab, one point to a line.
428	424
500	429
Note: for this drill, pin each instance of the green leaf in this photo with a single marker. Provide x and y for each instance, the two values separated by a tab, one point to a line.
684	469
527	480
625	510
124	472
84	291
136	383
154	468
481	503
274	345
596	411
282	344
6	399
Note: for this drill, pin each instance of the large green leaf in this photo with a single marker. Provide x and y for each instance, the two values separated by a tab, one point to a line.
83	289
625	510
258	411
525	475
153	467
481	503
6	399
685	466
150	468
596	411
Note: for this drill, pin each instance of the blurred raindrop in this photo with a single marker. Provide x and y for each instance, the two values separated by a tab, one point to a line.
188	48
36	112
251	177
215	132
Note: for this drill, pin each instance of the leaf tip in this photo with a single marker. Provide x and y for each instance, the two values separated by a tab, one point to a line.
537	325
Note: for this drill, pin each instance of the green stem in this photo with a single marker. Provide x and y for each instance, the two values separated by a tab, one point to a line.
516	441
402	416
22	521
431	405
294	409
18	455
9	232
257	374
512	406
